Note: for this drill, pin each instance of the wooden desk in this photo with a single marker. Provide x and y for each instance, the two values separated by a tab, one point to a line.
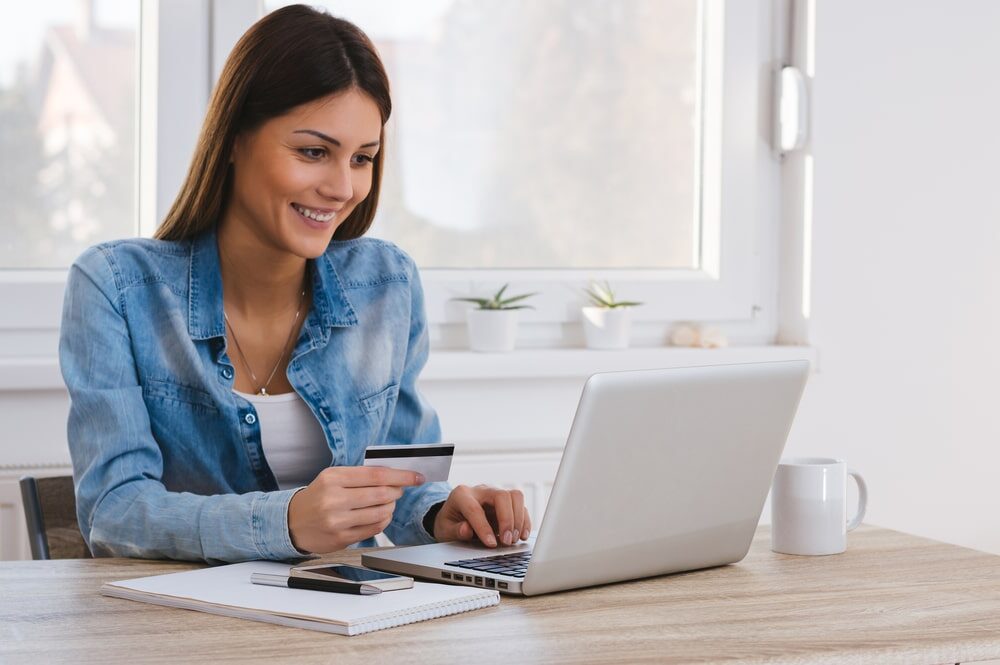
892	598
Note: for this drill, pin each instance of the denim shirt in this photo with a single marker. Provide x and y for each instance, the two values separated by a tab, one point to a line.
167	459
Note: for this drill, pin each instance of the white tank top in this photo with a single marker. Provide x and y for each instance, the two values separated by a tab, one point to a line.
292	438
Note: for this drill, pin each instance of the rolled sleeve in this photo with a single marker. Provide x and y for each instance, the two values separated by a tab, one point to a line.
269	518
123	507
415	421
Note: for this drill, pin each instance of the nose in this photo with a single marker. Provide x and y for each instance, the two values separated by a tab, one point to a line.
336	183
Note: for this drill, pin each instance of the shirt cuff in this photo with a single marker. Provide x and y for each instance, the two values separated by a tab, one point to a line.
269	518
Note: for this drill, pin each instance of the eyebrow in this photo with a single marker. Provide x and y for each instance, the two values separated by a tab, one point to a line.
330	139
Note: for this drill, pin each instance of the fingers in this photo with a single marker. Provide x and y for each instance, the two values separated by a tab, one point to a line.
460	530
371	476
370	516
363	497
450	523
519	513
358	533
503	506
474	514
326	524
512	519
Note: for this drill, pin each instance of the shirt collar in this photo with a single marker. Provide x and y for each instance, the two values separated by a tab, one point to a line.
330	306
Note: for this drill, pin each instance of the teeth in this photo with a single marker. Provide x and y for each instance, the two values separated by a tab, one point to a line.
315	215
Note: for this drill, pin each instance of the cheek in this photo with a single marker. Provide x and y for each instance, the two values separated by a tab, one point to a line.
289	178
262	184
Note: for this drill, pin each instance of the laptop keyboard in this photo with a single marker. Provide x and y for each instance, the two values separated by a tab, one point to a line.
514	565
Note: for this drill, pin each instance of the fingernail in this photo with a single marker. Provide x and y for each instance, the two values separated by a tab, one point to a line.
527	533
514	539
491	541
421	478
506	537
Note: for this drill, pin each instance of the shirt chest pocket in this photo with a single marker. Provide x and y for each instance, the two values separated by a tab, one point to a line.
168	392
377	409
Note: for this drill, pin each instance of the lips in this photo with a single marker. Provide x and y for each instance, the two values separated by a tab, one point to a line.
321	215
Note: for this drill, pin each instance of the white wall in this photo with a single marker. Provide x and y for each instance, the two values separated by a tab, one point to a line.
906	261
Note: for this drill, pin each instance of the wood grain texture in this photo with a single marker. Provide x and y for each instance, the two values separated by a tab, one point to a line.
891	598
58	507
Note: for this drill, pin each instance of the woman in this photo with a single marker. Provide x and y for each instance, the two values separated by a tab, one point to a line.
226	377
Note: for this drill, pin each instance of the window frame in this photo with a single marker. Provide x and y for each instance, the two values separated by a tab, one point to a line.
184	42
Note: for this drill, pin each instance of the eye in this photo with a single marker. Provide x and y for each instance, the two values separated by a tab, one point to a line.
362	159
313	153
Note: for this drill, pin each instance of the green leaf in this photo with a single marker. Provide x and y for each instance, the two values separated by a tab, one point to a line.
517	298
497	301
602	295
482	302
596	299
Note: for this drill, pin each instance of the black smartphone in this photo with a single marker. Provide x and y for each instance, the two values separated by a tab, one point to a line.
352	575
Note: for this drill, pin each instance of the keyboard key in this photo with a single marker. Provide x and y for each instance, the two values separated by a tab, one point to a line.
513	565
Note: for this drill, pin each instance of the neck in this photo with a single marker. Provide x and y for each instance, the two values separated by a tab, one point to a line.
258	280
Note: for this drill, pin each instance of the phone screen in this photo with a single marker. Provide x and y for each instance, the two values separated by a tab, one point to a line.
352	573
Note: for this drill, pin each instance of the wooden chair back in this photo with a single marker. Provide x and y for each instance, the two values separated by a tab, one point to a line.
50	513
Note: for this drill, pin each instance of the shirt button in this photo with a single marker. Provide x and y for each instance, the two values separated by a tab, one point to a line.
250	419
227	373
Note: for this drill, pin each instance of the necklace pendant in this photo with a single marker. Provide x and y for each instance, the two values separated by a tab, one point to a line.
263	391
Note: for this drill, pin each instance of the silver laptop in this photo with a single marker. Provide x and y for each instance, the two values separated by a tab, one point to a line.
664	471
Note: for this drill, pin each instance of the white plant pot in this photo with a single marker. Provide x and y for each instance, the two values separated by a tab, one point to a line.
492	330
607	327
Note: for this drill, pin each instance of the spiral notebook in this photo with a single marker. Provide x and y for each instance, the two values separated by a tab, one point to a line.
227	590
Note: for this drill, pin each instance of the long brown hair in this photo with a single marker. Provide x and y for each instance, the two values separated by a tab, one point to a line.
292	56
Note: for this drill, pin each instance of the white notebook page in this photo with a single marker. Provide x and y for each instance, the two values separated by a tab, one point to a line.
223	587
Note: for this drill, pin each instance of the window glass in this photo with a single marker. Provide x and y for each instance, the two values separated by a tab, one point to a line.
539	133
68	73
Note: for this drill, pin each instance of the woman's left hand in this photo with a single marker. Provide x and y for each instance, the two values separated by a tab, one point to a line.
487	513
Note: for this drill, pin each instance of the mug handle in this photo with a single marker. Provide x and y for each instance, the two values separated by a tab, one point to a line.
862	500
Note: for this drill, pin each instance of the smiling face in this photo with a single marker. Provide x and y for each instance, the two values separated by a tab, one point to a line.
299	176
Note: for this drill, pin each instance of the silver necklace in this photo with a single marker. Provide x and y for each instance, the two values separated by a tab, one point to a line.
262	389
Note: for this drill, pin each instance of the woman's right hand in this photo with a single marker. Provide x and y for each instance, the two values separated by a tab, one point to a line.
344	505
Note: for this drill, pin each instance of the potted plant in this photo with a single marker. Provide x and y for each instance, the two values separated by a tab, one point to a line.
493	324
607	320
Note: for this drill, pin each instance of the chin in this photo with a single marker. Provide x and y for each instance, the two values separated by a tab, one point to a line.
310	248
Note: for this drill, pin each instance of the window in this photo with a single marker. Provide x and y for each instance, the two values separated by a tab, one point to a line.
68	80
539	134
548	142
541	142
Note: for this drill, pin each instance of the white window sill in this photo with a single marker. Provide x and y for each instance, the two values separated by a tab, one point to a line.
30	374
450	365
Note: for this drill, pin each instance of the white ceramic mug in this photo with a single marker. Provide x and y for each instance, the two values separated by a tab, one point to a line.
809	506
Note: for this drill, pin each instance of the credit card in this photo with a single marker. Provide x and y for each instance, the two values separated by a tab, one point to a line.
431	459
